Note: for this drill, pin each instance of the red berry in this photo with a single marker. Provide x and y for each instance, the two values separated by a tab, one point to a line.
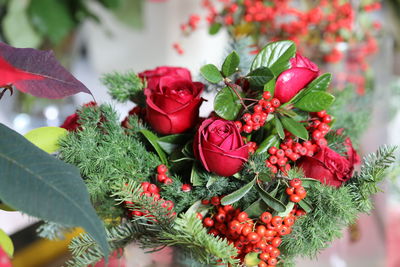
300	212
246	117
273	169
264	256
260	230
220	217
205	202
257	108
215	201
270	109
273	160
145	186
316	135
153	189
161	177
280	153
294	156
162	168
199	215
323	127
253	237
301	192
289	221
234	225
327	119
246	230
282	162
262	264
296	182
276	242
266	217
270	233
272	150
322	142
214	232
247	128
272	261
168	181
284	230
242	217
208	222
290	191
266	95
275	252
186	187
238	125
321	113
275	102
276	221
295	198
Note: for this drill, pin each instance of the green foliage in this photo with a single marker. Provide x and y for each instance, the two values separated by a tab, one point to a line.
53	231
211	73
259	77
296	128
105	155
320	84
336	142
38	184
227	104
124	87
315	101
230	64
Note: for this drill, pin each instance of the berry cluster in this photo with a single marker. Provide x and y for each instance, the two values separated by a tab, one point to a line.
255	121
262	235
152	191
162	174
296	192
290	150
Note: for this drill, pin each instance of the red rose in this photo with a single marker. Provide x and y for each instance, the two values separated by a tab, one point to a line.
71	122
173	106
330	167
291	81
220	147
4	259
153	76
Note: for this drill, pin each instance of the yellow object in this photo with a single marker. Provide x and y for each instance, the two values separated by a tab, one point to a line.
46	138
43	251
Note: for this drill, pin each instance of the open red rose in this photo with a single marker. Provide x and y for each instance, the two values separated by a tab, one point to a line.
220	147
330	167
173	106
291	81
71	122
153	76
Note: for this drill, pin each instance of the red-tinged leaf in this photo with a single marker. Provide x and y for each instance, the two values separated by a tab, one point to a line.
37	73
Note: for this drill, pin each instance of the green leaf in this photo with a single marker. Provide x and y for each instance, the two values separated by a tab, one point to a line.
275	56
295	127
270	141
289	208
212	180
270	86
171	142
6	244
230	64
321	83
227	104
17	28
315	101
272	202
257	208
40	185
46	138
260	77
238	194
211	73
152	138
52	19
214	28
309	182
305	206
195	179
279	128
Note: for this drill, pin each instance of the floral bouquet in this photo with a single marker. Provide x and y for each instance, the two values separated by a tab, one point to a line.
265	178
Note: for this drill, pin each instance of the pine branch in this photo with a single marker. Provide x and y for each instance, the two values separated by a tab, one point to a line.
53	231
124	87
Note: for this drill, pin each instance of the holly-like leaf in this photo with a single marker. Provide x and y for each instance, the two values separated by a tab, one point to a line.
271	201
295	127
275	56
315	101
211	73
305	206
171	142
279	128
227	104
214	28
37	73
321	83
230	64
270	141
238	194
46	138
153	140
257	208
6	244
260	77
40	185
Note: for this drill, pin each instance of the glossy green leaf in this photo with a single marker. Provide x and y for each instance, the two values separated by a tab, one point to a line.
171	142
17	28
238	194
52	19
152	138
315	101
195	178
271	201
309	182
211	73
46	138
305	206
6	244
227	104
270	86
40	185
256	208
275	56
260	77
230	64
295	127
270	141
279	128
321	83
214	28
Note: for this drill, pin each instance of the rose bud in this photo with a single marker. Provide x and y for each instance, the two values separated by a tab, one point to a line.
291	81
330	167
153	76
220	147
173	106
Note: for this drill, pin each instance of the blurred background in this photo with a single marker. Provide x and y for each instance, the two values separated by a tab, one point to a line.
94	37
